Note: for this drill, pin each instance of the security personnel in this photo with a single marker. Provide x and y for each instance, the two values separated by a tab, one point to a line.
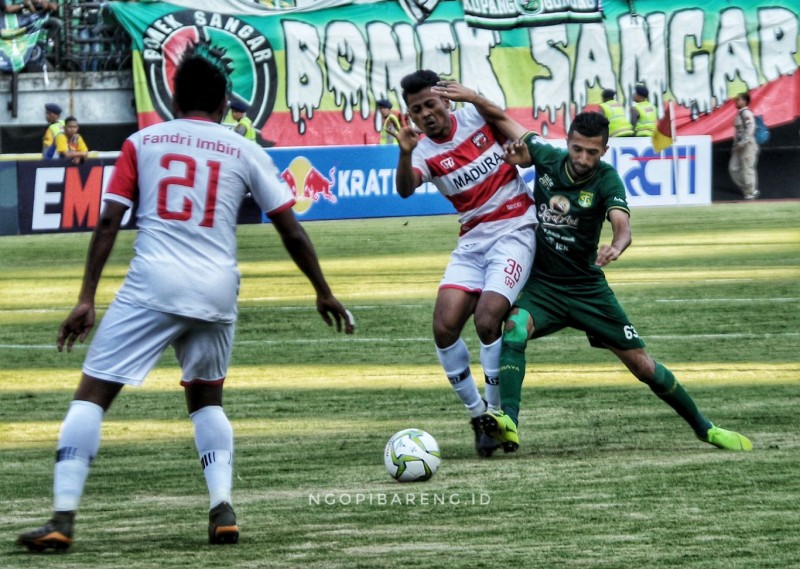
391	124
52	114
643	113
618	123
244	125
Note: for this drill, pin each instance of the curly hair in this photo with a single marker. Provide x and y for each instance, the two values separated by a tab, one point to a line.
590	124
415	82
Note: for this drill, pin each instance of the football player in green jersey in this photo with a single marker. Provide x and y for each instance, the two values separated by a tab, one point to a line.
575	193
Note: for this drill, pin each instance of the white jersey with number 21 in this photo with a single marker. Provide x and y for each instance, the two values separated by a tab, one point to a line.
188	178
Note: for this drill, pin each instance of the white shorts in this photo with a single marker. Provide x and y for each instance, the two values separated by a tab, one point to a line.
501	266
131	339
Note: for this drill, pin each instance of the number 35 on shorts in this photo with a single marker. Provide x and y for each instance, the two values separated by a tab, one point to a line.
513	272
630	332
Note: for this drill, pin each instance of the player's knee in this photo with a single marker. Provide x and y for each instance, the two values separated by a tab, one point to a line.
516	329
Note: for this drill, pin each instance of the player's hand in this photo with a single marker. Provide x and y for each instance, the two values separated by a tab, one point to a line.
407	137
516	153
332	310
454	91
606	254
77	326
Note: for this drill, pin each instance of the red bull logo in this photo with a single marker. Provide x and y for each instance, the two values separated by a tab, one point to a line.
308	184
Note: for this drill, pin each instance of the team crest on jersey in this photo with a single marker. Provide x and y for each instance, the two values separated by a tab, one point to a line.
244	53
585	199
447	163
480	140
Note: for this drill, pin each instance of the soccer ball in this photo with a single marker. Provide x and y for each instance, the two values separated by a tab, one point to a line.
411	455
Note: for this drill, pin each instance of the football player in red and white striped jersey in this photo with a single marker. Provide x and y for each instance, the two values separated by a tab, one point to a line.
462	156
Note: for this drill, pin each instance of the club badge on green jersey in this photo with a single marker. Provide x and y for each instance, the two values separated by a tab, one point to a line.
585	199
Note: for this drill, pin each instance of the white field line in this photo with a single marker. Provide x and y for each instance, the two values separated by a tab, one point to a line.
360	340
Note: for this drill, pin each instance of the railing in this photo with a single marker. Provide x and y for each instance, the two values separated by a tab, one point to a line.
81	36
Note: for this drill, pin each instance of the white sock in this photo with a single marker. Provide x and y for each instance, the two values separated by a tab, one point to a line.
455	361
78	443
490	361
213	437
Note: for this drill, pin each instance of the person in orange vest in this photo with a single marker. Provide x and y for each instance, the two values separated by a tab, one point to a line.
643	113
70	144
618	123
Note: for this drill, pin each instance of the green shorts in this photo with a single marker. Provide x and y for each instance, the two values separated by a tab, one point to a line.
592	308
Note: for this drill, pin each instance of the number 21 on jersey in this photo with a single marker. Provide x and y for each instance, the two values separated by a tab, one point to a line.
188	180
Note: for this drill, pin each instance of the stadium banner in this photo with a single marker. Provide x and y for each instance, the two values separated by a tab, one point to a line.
678	175
347	183
311	73
506	14
56	196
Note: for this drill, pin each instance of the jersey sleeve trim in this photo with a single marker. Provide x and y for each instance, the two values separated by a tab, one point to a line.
124	182
281	208
625	209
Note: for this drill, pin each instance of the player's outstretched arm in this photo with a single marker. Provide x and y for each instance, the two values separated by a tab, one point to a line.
621	231
299	246
406	179
81	320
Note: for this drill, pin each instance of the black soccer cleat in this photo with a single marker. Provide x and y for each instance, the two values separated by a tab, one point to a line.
484	444
55	535
222	528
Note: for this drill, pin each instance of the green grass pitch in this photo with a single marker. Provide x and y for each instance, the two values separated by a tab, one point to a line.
607	475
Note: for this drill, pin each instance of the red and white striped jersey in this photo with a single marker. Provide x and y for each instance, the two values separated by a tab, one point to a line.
188	178
468	169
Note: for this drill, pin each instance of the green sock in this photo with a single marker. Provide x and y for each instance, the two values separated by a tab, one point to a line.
512	372
673	394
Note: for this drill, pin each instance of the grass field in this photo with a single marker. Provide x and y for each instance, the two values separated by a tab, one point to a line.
607	475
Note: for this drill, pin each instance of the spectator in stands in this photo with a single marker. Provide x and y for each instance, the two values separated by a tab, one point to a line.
244	125
52	114
643	113
744	153
390	125
70	144
618	123
12	7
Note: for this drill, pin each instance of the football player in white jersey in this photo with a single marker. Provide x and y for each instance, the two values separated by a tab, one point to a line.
462	156
187	177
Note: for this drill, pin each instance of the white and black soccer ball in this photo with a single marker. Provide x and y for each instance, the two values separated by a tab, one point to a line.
412	455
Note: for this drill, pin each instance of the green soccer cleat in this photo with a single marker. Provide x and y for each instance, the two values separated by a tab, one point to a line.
728	440
484	444
502	428
222	528
55	535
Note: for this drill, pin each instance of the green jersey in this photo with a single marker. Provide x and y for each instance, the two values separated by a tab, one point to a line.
571	215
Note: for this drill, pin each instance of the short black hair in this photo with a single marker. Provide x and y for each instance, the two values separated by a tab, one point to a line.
70	119
415	82
589	124
745	97
199	85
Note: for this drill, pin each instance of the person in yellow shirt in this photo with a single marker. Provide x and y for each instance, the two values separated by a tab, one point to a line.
69	144
391	124
618	123
52	114
643	113
244	125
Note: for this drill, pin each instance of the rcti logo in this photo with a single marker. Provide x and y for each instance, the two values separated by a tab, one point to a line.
308	184
245	53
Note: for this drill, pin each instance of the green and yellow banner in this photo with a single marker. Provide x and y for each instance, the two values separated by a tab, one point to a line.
310	73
